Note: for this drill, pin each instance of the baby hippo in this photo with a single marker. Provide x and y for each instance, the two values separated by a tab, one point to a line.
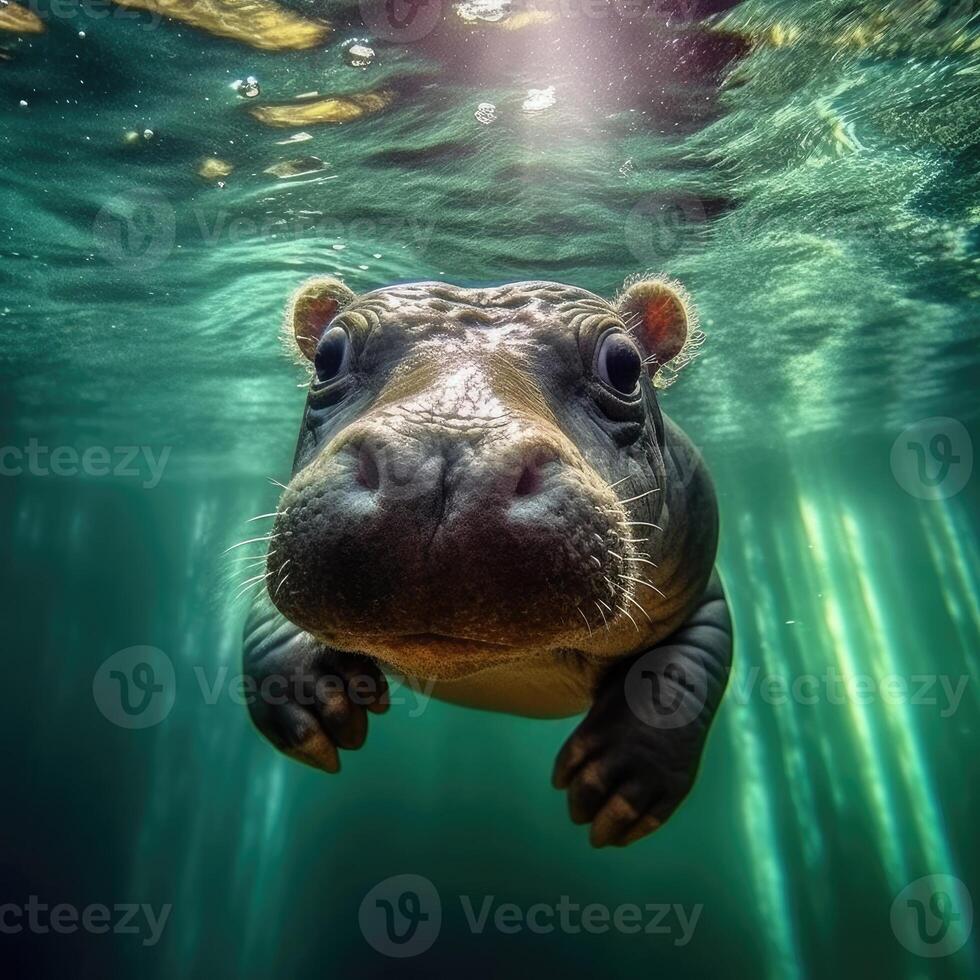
487	501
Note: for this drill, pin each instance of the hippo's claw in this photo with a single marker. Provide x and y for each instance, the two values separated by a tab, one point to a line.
621	780
633	759
308	700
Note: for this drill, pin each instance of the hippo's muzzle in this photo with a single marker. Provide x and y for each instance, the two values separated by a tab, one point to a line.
409	530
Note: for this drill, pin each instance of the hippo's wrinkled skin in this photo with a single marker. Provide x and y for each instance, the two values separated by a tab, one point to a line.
487	500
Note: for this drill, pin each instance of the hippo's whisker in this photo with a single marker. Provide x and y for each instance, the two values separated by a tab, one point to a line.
251	583
281	584
640	496
643	581
618	482
645	561
638	524
586	618
276	483
255	590
252	564
629	598
241	544
259	517
605	622
596	560
626	613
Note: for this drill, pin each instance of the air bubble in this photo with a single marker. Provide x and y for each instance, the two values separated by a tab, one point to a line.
358	53
486	113
247	88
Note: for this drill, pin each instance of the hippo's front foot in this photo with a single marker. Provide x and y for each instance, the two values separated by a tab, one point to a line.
633	759
307	699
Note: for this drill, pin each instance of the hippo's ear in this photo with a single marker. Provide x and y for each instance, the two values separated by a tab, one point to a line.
661	317
310	310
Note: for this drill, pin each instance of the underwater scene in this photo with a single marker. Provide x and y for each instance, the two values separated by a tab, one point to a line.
765	217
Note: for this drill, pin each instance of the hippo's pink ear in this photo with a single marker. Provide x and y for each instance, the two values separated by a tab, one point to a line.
310	311
659	315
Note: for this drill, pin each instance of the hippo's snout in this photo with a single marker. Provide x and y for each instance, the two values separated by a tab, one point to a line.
495	534
483	471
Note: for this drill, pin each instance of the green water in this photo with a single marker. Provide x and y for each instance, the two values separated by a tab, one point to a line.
816	191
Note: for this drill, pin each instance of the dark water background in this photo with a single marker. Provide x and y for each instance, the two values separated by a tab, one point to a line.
808	170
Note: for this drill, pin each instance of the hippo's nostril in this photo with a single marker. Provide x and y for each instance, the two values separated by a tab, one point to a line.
529	482
532	476
368	474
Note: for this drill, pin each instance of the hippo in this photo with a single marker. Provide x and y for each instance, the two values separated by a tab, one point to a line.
487	500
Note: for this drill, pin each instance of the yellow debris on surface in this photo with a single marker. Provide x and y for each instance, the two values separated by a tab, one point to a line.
335	109
213	168
783	35
528	18
20	20
898	28
258	23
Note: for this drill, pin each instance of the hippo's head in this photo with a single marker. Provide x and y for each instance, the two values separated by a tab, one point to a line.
479	471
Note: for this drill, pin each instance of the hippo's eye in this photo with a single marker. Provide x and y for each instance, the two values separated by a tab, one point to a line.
332	358
618	362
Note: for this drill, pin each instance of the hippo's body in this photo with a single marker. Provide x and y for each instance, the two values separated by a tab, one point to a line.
487	500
